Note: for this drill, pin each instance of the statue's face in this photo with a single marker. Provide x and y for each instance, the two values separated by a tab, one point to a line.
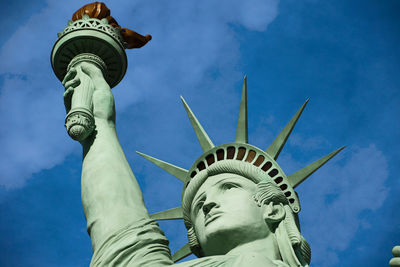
225	214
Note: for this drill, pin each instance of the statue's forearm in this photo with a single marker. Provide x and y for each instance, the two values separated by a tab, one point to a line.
111	196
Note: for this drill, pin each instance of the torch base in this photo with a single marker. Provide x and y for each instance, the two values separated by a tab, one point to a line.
93	36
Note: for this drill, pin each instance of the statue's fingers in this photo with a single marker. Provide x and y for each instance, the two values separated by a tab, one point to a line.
71	73
67	98
68	92
73	83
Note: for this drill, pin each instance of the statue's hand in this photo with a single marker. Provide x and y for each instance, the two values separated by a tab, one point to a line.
395	261
103	100
70	82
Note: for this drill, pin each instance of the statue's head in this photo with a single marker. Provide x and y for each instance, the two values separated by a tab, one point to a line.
241	196
236	193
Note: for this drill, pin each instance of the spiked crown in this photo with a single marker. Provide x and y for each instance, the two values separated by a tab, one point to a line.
239	152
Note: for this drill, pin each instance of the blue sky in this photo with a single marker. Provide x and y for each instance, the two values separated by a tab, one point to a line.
343	55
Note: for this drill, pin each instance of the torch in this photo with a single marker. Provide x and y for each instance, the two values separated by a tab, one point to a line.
95	37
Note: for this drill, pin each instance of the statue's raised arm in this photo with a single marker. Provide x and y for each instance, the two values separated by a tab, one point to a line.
111	197
89	57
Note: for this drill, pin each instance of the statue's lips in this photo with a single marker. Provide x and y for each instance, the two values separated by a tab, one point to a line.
211	217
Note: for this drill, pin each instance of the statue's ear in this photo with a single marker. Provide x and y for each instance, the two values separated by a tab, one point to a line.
274	212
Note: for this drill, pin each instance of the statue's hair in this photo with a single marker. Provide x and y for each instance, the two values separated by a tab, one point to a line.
266	192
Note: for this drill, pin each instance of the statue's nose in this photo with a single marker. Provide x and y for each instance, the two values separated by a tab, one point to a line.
208	206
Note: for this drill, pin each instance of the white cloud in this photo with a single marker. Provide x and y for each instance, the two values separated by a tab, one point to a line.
32	136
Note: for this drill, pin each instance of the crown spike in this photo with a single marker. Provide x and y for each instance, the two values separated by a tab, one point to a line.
176	171
275	148
298	177
183	252
171	214
205	141
242	126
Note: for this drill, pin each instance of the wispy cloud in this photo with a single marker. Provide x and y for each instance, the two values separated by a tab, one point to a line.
351	186
31	137
307	143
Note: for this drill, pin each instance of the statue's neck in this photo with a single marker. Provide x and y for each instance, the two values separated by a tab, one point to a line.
268	246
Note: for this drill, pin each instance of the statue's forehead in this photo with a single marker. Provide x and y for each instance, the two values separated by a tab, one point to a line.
214	180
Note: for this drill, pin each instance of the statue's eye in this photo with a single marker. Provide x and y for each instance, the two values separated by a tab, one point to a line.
198	205
228	186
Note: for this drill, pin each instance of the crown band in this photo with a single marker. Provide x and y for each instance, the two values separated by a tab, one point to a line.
239	154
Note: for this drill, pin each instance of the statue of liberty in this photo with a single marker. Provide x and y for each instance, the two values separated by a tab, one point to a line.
238	206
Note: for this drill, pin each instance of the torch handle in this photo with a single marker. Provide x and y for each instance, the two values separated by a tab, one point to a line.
82	97
79	120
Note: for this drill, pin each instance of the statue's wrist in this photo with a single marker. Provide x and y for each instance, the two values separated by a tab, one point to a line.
103	129
100	82
98	78
104	123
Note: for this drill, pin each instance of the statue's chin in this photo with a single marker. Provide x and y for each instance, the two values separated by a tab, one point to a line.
220	239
